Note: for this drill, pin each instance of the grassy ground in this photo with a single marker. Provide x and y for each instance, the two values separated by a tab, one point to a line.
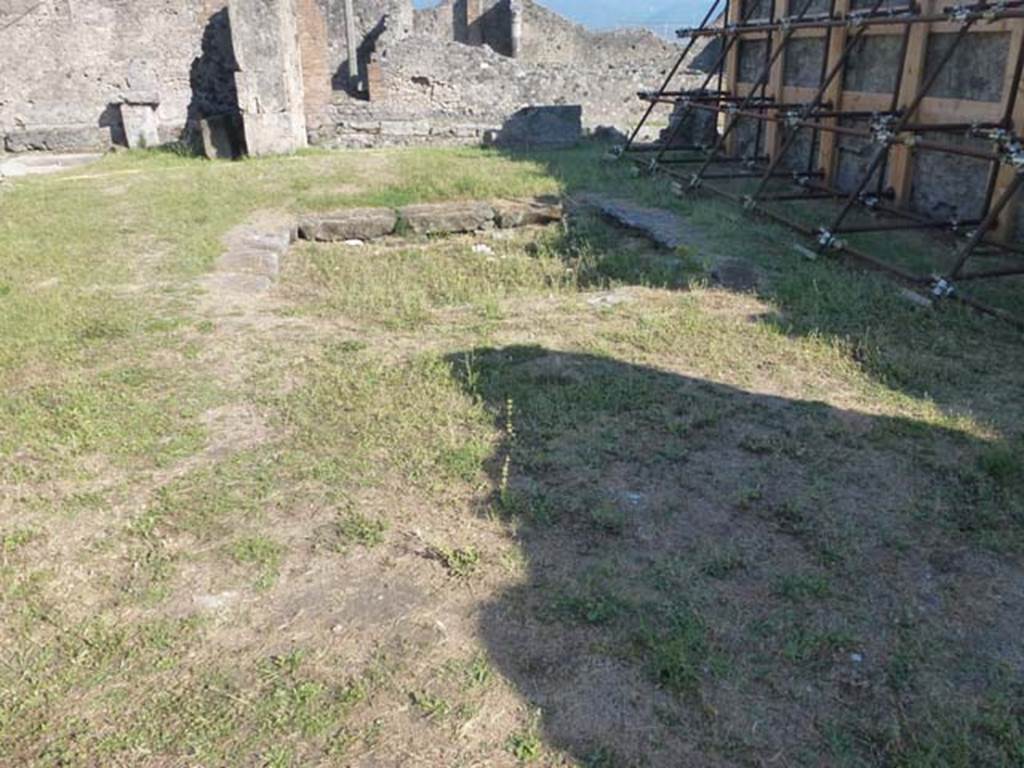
559	504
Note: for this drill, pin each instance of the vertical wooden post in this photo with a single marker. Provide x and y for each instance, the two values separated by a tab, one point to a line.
1007	227
828	140
901	157
772	134
732	71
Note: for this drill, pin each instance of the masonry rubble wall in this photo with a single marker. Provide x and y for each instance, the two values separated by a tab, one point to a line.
435	86
271	97
70	70
65	67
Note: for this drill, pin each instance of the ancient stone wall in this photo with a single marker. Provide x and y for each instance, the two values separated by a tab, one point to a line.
66	66
271	98
437	87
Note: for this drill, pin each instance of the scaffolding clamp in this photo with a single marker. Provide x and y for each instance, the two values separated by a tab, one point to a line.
993	11
961	14
854	21
792	118
828	240
749	203
696	181
1012	152
943	288
870	202
881	129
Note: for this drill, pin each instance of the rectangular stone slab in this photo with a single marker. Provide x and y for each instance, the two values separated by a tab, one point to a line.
446	218
509	214
351	224
141	128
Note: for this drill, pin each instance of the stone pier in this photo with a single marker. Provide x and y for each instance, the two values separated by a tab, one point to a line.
265	37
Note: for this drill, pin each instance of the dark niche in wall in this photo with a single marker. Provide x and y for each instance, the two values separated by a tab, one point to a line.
212	78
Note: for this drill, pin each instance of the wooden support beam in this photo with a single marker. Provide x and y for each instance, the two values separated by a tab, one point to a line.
828	157
731	80
1006	229
772	134
901	158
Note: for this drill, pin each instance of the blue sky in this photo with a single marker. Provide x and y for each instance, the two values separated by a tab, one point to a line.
660	14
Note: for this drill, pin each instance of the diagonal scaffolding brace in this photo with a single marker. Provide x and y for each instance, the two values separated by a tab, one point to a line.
895	133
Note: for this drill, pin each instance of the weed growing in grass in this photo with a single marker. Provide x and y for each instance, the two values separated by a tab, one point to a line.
262	552
525	745
803	586
602	757
478	673
802	643
723	563
596	602
677	655
1004	464
460	563
608	518
353	529
12	541
432	707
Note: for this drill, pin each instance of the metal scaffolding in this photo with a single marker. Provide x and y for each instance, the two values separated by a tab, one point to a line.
894	127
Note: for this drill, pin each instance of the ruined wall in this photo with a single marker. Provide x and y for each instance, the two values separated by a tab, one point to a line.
435	87
65	66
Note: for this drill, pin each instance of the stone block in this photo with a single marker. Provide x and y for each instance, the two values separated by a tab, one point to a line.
509	214
222	137
141	127
265	38
353	224
446	218
542	127
405	128
69	138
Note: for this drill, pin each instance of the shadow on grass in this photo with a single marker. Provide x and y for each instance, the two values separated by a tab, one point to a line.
715	578
950	355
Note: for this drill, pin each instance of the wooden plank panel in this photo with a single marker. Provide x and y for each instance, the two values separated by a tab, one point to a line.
772	134
931	109
731	80
1006	229
901	167
828	141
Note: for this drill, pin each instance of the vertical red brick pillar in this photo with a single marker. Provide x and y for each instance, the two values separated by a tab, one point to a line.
374	79
316	72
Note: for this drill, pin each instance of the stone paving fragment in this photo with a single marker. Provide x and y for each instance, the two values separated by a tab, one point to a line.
446	218
351	224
